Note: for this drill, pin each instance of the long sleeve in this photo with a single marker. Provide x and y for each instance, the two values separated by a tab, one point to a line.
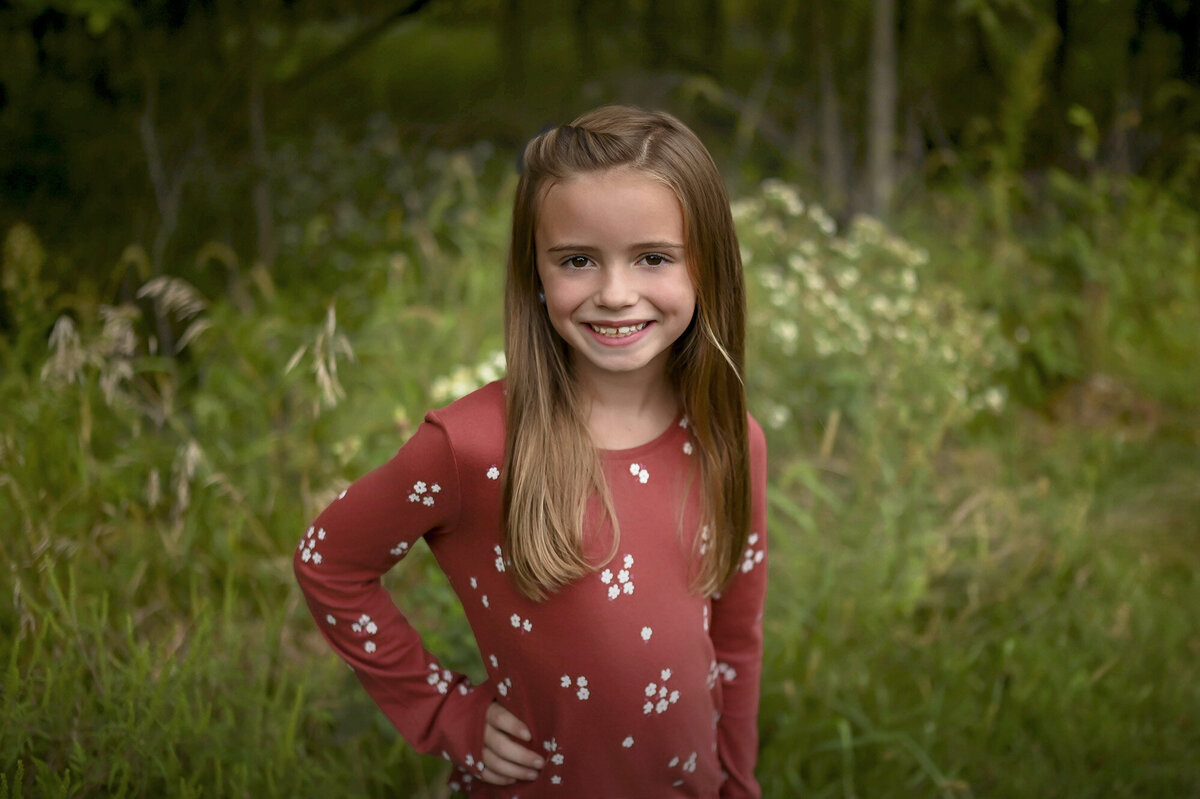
338	564
737	635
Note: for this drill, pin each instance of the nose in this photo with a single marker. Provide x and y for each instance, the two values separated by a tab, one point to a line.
617	288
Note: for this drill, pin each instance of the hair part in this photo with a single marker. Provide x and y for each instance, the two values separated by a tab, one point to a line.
551	464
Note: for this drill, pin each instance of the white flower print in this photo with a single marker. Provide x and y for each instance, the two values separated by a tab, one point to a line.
683	422
638	471
422	492
474	583
369	646
624	579
504	686
646	633
581	683
308	546
628	742
484	599
364	623
665	696
493	473
687	448
728	673
329	618
439	678
751	557
704	622
499	558
556	758
400	550
495	663
519	623
705	537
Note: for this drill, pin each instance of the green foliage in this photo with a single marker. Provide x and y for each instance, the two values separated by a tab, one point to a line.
1102	276
851	328
965	601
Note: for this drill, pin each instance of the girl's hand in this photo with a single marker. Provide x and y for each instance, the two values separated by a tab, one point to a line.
506	761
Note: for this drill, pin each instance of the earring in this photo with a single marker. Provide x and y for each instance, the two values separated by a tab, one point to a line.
542	297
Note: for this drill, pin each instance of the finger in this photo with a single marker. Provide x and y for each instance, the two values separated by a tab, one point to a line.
499	716
499	744
491	777
505	768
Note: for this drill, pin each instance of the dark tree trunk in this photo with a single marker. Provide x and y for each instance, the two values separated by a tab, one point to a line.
881	108
712	37
512	47
585	45
655	24
832	149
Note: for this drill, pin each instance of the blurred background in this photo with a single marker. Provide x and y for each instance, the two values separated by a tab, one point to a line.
247	245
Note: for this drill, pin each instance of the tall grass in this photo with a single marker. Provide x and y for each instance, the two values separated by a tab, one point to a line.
968	599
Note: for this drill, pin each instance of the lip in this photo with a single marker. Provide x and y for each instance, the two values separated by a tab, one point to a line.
623	341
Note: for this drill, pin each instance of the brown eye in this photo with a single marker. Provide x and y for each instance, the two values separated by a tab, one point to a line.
654	259
577	261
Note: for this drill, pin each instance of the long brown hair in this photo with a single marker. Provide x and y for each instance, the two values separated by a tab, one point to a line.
551	465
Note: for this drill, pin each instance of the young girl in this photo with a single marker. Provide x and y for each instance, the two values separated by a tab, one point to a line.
600	513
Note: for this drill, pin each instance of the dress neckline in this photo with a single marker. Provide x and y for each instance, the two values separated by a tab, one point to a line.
677	425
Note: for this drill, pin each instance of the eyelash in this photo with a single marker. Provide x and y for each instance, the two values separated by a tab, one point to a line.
662	260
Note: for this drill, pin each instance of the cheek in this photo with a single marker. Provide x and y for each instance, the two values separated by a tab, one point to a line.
559	308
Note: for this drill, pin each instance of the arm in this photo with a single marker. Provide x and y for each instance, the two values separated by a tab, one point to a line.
737	640
338	564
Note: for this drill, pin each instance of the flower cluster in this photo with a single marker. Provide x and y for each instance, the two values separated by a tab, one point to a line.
851	322
465	379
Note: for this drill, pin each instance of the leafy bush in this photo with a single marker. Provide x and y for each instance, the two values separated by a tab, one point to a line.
954	600
854	328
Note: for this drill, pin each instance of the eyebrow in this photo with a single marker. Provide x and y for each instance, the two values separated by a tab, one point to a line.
645	245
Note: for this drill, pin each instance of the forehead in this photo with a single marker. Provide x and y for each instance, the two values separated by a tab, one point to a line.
622	201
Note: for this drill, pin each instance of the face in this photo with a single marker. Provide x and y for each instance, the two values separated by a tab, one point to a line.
611	259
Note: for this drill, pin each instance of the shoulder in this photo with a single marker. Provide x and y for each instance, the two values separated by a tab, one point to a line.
474	424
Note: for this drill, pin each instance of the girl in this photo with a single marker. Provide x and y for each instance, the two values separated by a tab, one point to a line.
600	513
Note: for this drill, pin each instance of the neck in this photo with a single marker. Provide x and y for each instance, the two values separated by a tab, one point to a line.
625	411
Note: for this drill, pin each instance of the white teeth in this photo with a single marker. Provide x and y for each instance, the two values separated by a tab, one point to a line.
618	332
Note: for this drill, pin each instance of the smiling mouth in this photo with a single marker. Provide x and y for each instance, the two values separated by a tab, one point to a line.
617	332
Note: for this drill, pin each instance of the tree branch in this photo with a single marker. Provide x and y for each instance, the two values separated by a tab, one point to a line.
352	45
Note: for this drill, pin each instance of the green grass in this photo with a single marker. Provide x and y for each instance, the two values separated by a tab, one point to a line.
1002	607
1048	649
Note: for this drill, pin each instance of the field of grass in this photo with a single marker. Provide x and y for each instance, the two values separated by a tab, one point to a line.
978	589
